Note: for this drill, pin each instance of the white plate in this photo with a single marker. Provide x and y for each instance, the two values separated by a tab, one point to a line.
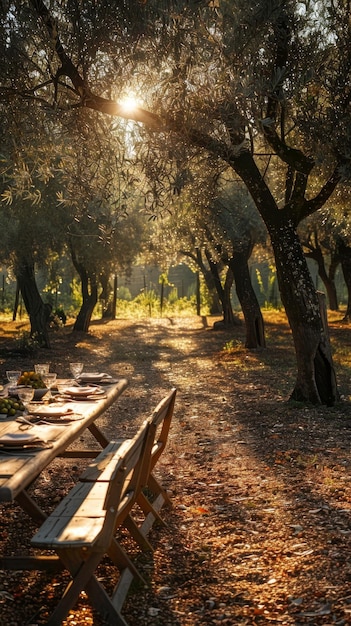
16	439
50	411
81	392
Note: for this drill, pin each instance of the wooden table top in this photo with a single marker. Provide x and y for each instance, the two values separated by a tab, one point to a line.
18	468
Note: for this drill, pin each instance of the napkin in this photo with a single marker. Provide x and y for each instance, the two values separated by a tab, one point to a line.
18	439
50	410
93	377
12	443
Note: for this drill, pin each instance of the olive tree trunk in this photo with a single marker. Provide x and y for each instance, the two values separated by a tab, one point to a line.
223	293
90	298
345	256
89	290
316	381
327	279
38	311
255	335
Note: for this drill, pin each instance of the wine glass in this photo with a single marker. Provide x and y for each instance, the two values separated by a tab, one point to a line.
13	376
25	394
76	369
49	380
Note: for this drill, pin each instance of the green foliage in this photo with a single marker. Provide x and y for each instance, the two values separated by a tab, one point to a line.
173	296
76	294
148	304
232	344
124	293
267	290
58	318
148	300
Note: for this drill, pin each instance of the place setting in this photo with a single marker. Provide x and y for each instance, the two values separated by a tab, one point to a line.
32	398
86	378
96	377
86	385
44	399
41	386
88	392
57	413
22	442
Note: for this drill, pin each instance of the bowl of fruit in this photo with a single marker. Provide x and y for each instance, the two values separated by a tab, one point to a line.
10	406
31	379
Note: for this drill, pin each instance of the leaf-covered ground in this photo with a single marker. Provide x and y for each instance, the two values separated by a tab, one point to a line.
260	529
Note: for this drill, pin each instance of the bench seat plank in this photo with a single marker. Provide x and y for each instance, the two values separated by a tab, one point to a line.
77	520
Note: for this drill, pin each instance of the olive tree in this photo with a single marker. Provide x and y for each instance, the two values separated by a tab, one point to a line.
252	83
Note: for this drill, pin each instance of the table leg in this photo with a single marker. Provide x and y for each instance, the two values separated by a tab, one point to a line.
99	435
27	503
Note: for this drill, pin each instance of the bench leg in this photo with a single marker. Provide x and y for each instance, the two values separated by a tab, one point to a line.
103	604
157	489
29	506
83	578
122	560
137	534
147	507
81	572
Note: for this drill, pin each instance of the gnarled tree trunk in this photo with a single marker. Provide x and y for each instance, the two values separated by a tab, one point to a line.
328	279
38	311
345	256
316	379
105	297
255	336
223	293
89	294
90	298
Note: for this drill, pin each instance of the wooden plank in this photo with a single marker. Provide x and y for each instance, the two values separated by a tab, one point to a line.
106	458
73	533
77	520
87	453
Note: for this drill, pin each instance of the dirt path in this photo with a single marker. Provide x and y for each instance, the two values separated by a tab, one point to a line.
260	528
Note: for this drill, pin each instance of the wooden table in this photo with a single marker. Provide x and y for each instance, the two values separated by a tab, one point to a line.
18	469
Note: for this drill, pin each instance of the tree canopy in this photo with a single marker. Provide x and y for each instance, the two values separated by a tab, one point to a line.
255	84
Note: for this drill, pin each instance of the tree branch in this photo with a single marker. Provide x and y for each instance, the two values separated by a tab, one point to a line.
321	198
87	97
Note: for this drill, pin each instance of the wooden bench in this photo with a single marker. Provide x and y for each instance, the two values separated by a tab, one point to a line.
152	496
82	529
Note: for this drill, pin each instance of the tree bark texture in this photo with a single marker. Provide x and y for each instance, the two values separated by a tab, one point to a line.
327	279
105	297
345	254
255	335
38	311
90	298
316	381
89	290
223	293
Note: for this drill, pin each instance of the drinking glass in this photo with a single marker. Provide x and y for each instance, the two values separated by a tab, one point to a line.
42	368
25	394
13	376
76	369
49	380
